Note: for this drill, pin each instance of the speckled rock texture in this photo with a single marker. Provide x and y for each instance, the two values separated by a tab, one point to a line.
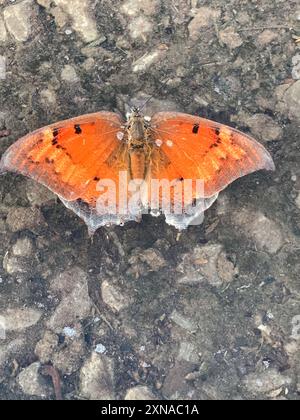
143	311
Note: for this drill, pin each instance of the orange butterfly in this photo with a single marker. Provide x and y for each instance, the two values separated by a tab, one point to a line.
73	157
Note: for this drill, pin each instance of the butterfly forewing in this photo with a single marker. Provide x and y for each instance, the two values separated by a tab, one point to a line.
69	157
197	148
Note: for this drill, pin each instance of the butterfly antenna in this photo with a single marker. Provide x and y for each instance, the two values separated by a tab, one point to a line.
152	96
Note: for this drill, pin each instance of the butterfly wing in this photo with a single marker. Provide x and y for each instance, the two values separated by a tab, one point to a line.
70	157
196	148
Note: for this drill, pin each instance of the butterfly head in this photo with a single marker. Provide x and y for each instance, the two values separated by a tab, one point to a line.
135	112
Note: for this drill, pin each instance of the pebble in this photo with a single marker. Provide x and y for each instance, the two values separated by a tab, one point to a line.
46	346
146	261
113	297
289	100
137	7
97	378
296	67
69	358
204	18
266	37
148	60
11	349
2	67
69	74
18	19
265	382
19	319
139	393
48	97
207	263
266	233
3	32
37	194
140	27
264	128
100	349
32	383
22	218
230	38
183	322
188	352
72	287
20	259
80	12
23	247
298	201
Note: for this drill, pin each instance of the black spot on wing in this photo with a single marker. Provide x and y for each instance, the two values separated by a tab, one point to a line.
55	132
196	129
78	129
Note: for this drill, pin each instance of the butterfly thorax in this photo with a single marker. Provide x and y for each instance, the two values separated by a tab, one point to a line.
139	149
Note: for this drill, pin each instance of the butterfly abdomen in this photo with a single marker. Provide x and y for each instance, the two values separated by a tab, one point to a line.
138	163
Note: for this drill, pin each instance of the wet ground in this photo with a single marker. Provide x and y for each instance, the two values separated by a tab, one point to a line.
143	312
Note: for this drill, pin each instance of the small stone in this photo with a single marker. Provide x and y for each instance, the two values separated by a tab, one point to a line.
183	322
207	263
137	7
83	21
2	67
100	349
3	33
265	382
204	18
139	393
298	201
44	3
46	347
69	358
265	232
23	247
22	218
10	349
140	27
290	102
32	383
230	38
38	194
72	286
264	128
97	378
48	97
148	60
18	19
147	261
19	319
89	64
188	352
113	297
69	74
296	67
266	37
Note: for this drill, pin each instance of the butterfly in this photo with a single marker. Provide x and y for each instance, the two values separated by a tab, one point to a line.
73	157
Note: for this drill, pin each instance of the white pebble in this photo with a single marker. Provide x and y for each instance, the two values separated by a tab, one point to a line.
100	349
158	142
